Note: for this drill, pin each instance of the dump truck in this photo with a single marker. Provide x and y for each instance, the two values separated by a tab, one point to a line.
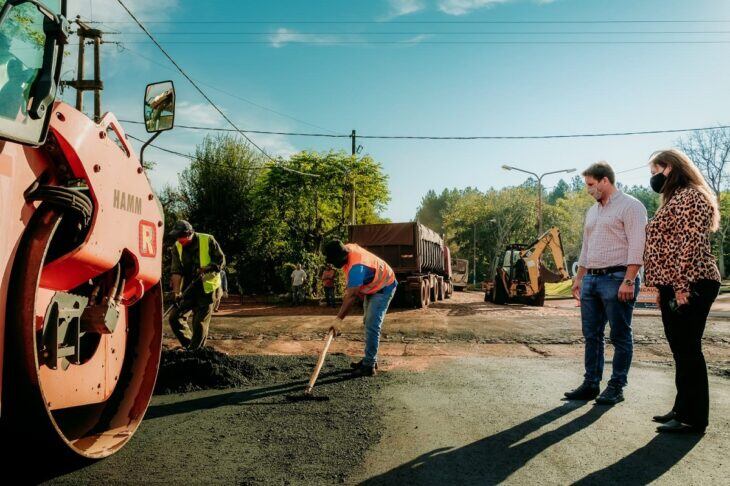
417	255
80	255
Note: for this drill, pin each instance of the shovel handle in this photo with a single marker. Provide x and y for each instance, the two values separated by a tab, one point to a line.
328	340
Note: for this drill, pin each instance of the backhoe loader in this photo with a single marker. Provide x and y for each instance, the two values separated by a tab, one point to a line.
522	276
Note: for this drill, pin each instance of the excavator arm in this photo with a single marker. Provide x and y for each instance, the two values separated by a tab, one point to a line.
532	257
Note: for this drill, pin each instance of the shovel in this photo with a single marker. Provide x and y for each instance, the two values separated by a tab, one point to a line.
315	374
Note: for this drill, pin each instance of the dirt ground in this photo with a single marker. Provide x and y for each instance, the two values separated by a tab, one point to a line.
462	326
469	393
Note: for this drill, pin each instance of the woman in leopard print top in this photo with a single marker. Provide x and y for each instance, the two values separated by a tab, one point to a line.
679	262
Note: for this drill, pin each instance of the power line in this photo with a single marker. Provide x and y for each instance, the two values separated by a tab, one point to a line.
613	32
325	42
202	93
451	137
644	166
405	22
194	158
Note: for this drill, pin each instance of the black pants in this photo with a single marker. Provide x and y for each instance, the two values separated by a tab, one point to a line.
684	329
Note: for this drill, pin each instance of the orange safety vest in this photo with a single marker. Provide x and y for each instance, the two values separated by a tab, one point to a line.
384	275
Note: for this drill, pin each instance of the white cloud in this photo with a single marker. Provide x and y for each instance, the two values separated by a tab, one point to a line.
198	114
111	11
284	36
405	7
462	7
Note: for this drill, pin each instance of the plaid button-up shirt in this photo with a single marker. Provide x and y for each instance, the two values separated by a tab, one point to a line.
614	234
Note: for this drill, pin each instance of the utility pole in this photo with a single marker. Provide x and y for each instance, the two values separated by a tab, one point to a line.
80	84
539	190
352	179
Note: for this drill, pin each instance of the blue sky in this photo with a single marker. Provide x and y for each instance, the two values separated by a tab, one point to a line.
305	71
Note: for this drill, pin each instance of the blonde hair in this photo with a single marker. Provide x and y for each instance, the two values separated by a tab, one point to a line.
685	173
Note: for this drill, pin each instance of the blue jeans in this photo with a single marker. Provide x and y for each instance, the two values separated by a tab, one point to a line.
329	294
598	304
374	308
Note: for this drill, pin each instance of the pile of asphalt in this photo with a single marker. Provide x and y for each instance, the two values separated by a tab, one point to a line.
185	371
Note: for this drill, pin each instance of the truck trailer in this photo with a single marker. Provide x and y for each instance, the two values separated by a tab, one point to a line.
417	255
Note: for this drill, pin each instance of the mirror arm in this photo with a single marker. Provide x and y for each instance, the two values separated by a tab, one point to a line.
141	151
44	88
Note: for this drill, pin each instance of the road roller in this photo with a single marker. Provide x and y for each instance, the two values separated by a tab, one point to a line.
80	254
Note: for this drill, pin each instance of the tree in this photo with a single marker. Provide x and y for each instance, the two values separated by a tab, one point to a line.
648	198
433	207
710	151
559	191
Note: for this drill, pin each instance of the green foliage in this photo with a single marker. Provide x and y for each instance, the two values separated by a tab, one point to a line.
647	196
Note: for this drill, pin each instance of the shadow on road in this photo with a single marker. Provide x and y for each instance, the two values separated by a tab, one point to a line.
493	459
646	464
242	396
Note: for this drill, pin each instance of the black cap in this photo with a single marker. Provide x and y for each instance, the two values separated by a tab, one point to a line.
181	228
335	253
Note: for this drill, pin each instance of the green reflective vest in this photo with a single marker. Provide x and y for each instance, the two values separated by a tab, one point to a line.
212	280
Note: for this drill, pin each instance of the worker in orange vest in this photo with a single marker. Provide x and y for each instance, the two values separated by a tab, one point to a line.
371	279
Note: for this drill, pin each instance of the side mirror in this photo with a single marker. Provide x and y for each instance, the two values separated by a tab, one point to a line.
159	107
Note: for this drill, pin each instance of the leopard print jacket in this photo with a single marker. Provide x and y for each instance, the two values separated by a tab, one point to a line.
678	251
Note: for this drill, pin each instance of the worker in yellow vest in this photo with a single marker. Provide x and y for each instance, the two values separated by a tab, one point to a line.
370	278
196	258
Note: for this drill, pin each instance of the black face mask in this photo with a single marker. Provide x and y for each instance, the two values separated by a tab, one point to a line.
657	182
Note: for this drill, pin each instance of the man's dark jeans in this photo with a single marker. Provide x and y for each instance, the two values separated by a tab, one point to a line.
329	294
599	304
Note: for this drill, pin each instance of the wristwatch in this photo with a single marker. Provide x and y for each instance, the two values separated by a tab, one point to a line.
629	282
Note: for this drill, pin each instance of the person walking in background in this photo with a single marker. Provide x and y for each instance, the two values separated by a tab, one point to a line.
679	262
298	276
607	282
328	284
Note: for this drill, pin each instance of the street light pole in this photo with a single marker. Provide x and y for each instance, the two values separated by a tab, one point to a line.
539	189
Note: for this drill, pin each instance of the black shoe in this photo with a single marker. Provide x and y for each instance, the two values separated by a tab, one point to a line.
675	427
611	396
356	365
663	419
365	370
586	391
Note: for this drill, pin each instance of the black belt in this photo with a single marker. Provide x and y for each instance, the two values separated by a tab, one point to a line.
607	270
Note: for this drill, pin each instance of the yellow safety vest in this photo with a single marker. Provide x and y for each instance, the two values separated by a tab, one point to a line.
211	280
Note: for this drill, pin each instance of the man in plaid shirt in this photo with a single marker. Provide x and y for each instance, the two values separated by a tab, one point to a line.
607	282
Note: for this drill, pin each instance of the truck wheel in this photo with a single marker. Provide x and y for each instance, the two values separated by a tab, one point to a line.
433	290
500	293
426	293
449	289
441	289
419	297
489	295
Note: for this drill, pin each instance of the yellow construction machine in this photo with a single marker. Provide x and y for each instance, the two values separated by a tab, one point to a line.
522	276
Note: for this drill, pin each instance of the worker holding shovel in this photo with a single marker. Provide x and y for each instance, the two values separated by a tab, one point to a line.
196	262
371	279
